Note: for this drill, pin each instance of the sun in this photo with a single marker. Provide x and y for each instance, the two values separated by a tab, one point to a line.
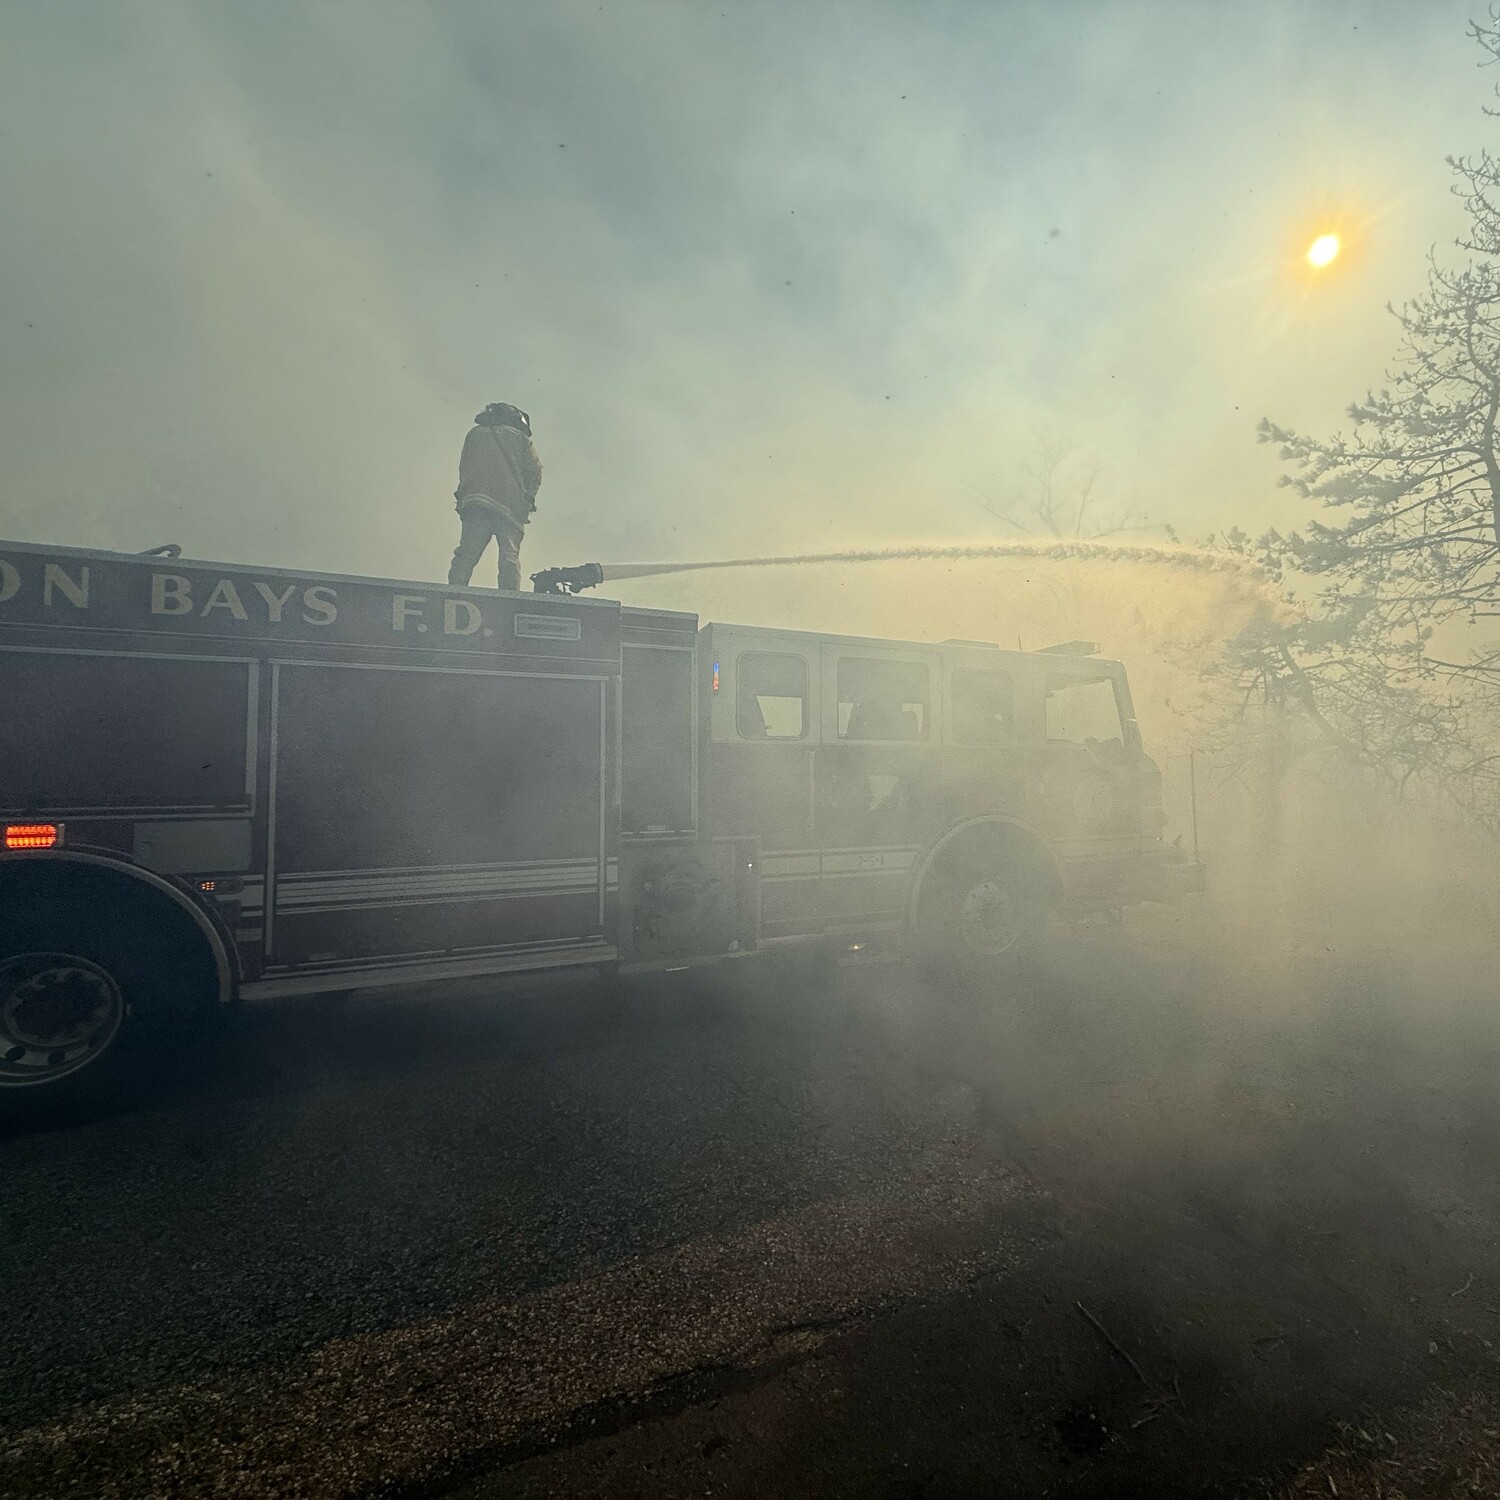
1324	251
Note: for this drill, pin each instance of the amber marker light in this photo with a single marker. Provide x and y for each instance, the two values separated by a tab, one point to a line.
33	835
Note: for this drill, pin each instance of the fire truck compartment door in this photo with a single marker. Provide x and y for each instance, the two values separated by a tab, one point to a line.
435	813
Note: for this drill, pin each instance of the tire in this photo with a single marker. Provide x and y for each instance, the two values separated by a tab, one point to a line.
982	917
61	1011
77	988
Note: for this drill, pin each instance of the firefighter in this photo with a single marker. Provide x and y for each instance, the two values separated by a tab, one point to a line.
498	477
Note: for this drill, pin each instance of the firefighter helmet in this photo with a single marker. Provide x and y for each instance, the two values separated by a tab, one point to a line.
503	414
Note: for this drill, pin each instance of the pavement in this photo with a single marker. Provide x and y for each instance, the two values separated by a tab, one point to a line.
774	1230
553	1196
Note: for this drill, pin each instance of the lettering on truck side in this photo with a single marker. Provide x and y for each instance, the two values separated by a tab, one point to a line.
44	590
55	580
172	594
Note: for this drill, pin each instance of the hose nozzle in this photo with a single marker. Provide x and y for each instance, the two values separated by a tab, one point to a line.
567	580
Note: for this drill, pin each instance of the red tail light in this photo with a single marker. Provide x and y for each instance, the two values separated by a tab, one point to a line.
33	835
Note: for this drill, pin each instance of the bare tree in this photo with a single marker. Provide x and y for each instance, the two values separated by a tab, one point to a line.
1059	495
1336	694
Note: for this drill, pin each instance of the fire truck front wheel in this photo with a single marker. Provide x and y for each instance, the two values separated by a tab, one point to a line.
981	915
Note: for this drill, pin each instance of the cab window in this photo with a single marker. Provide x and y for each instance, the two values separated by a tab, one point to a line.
772	697
983	707
882	700
1084	711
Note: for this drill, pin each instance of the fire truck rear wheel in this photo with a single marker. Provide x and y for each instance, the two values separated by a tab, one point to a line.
981	917
75	989
60	1012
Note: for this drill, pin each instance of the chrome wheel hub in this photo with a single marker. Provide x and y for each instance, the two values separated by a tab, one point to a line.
57	1012
989	918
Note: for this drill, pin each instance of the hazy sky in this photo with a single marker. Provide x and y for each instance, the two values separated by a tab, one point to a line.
768	276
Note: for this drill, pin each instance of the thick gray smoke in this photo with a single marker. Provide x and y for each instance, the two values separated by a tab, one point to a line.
260	265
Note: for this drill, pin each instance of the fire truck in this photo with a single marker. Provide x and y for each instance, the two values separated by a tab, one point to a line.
223	783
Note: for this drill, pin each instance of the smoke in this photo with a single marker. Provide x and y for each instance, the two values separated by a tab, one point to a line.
1299	845
816	281
1165	610
1121	594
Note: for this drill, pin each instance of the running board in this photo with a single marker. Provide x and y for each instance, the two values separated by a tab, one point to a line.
425	972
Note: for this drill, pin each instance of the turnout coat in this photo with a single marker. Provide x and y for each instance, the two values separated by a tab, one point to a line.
499	470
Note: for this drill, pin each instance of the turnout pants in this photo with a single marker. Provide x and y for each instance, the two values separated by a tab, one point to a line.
480	523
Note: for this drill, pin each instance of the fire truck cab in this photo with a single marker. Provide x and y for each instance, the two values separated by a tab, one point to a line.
222	783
